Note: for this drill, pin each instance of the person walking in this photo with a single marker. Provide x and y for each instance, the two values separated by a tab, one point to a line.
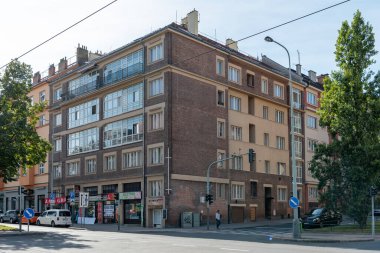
218	216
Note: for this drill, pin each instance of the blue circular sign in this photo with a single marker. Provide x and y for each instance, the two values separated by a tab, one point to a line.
294	202
28	213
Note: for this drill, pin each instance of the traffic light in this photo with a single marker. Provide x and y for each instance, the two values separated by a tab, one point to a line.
251	155
116	196
373	191
209	199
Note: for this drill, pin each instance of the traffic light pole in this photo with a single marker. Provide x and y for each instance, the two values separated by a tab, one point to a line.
208	183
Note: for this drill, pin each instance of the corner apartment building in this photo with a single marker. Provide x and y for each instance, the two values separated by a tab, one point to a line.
147	119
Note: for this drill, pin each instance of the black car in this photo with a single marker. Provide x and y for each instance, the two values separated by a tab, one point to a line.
321	217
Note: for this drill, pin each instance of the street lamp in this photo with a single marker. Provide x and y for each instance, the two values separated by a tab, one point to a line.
296	225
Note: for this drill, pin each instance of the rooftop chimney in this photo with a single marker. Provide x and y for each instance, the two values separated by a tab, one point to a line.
232	44
298	69
36	78
82	54
62	65
93	56
51	70
321	77
312	75
191	22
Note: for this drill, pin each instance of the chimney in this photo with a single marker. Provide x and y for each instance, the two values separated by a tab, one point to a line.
62	65
82	54
191	22
51	70
93	56
298	69
36	78
232	44
321	77
312	75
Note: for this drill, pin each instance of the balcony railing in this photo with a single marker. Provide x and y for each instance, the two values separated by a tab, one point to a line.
123	73
84	88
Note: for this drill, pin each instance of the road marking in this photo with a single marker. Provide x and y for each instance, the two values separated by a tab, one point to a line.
243	250
183	245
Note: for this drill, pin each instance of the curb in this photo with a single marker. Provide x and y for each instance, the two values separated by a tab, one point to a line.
23	233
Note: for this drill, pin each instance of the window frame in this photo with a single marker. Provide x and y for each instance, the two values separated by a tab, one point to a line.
222	70
232	76
154	57
278	88
264	85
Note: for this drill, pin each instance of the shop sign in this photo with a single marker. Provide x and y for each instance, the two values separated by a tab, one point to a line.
95	198
60	200
110	196
130	195
47	201
108	211
159	201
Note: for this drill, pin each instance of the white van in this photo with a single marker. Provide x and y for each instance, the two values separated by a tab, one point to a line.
55	217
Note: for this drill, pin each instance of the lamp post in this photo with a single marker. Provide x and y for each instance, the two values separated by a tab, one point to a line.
296	225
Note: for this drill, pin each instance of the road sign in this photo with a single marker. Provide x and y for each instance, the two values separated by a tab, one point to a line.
294	202
52	196
83	199
28	213
72	196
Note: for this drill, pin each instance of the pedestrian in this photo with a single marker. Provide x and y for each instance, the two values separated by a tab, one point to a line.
218	216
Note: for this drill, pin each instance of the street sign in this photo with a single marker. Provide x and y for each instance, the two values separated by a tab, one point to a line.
52	196
29	213
83	199
294	202
72	195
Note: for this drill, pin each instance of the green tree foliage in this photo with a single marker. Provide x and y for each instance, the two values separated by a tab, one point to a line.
350	109
20	145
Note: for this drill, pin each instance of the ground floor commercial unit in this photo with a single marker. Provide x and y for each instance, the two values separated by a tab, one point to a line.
10	199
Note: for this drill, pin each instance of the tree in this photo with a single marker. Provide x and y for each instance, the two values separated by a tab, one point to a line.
20	145
350	109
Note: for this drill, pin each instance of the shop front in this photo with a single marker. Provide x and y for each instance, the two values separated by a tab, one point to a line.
155	206
131	202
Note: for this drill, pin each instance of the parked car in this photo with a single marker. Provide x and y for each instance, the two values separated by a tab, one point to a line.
33	220
321	217
376	212
11	216
55	217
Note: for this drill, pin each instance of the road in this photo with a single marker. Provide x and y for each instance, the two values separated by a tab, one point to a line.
74	240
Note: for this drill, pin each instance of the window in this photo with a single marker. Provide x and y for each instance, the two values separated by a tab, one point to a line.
280	142
267	167
156	156
296	98
297	122
83	84
250	80
311	122
278	91
156	120
57	145
84	113
73	169
220	156
253	189
57	171
122	68
221	97
110	163
220	128
221	191
252	133
111	188
265	112
235	103
42	120
156	52
266	139
298	146
58	94
220	67
156	87
58	119
236	133
92	190
42	96
83	141
237	163
280	117
264	86
90	166
122	101
311	99
132	159
281	168
311	145
31	100
313	193
156	188
237	191
233	74
123	132
299	166
281	194
41	168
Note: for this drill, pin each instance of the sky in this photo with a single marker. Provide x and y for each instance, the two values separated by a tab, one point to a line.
24	24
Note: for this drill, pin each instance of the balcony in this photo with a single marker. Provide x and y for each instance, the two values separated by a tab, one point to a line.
84	88
121	74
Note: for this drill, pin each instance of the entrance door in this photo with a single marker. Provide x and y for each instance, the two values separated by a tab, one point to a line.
157	218
268	202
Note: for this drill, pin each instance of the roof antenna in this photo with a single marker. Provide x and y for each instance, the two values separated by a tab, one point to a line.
215	35
299	60
176	17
